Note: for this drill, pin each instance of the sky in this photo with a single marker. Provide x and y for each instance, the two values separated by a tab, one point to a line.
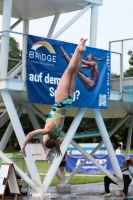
114	23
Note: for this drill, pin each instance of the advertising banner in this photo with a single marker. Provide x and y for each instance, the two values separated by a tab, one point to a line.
73	162
47	60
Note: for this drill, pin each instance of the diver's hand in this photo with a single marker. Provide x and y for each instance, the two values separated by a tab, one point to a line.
23	152
47	152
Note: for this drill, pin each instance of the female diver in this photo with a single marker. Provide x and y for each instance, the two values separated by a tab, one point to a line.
63	100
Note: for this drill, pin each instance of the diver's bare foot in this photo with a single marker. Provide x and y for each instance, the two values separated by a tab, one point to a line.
81	46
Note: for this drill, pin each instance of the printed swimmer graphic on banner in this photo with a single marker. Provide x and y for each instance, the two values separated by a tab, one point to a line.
47	60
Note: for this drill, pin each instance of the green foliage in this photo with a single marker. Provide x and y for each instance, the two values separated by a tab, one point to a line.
14	52
115	75
3	129
129	72
130	53
25	122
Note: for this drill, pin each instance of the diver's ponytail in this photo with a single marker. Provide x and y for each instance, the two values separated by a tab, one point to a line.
57	147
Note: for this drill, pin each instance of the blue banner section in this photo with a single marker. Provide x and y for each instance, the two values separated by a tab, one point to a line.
73	162
47	60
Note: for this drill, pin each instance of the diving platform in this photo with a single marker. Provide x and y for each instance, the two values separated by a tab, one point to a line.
120	103
31	9
14	100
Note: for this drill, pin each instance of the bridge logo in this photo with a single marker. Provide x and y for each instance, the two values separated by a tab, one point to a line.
48	46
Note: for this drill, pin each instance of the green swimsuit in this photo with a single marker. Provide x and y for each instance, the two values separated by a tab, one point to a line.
59	106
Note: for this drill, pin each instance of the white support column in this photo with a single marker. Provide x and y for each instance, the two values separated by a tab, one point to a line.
52	28
20	136
71	22
9	130
24	49
7	7
96	148
97	114
36	125
93	26
64	145
107	142
129	138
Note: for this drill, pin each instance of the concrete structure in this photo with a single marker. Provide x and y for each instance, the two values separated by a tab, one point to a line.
13	95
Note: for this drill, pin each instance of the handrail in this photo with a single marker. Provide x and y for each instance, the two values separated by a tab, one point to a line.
13	32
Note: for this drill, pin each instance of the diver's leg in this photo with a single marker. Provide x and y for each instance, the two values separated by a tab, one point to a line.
74	76
62	91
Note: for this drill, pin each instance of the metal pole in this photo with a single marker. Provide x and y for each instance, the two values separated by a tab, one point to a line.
37	126
93	29
9	130
121	70
24	49
64	145
109	46
20	136
15	24
107	142
96	148
15	71
129	138
90	135
71	21
7	7
52	28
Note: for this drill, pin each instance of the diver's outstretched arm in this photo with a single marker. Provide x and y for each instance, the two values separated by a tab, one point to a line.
30	135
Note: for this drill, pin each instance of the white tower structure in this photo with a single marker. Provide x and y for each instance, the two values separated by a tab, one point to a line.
13	94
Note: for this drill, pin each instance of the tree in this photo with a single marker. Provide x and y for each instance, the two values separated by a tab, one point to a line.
115	75
129	72
130	53
14	52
